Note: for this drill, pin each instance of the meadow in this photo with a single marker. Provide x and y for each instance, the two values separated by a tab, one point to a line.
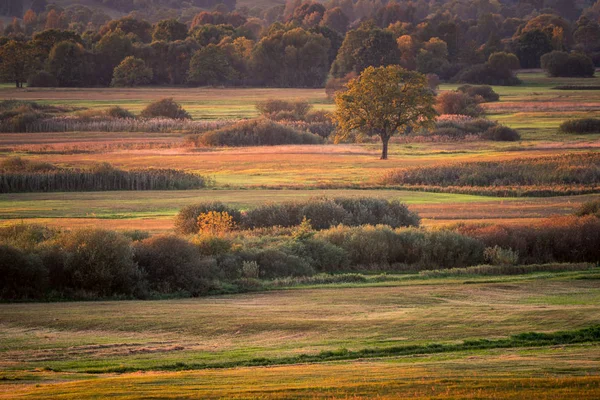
290	339
69	350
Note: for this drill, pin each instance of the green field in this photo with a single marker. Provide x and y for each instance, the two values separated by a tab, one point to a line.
49	350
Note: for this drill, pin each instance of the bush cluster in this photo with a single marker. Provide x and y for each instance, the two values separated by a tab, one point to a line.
459	103
561	239
256	132
322	213
560	63
581	126
165	108
501	133
38	263
486	92
461	126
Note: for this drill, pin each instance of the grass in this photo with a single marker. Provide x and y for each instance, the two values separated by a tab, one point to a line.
155	210
72	339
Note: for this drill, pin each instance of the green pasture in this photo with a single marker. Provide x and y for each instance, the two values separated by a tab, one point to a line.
156	204
50	348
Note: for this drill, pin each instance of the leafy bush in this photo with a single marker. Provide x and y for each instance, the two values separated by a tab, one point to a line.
25	236
455	102
501	133
215	223
281	109
276	263
23	274
498	256
320	255
118	112
486	92
324	213
560	63
42	79
559	239
484	74
461	126
589	208
171	264
448	249
99	262
166	108
582	126
186	221
258	132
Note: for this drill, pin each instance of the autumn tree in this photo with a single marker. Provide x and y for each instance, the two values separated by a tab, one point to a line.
383	102
170	30
17	62
131	72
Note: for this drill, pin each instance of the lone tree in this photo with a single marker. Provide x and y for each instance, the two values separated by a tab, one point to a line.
383	102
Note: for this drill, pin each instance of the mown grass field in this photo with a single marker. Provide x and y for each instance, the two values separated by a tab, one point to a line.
49	350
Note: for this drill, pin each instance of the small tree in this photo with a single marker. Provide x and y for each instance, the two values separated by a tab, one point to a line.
383	102
165	108
131	72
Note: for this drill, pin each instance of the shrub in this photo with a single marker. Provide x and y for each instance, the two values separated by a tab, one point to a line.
118	112
506	270
42	79
448	249
282	109
320	255
486	92
560	63
498	256
559	239
215	223
23	275
484	74
25	236
166	108
324	213
171	264
501	133
258	132
274	263
99	262
583	125
454	102
211	245
589	208
250	269
186	221
131	72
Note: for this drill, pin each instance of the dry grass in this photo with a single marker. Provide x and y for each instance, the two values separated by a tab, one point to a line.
75	337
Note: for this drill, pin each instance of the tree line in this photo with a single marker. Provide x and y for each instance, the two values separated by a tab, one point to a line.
301	44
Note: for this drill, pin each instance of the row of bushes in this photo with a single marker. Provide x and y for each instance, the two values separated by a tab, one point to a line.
43	177
487	270
464	126
256	132
323	213
581	126
27	116
39	263
572	169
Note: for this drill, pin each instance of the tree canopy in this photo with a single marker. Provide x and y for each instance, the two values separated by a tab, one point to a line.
383	102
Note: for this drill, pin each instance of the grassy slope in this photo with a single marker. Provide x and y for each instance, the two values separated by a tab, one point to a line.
74	337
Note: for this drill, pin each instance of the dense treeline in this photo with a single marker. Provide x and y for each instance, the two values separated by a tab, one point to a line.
300	44
39	263
18	175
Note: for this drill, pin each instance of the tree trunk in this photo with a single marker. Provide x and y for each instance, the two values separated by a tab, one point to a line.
384	151
17	83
